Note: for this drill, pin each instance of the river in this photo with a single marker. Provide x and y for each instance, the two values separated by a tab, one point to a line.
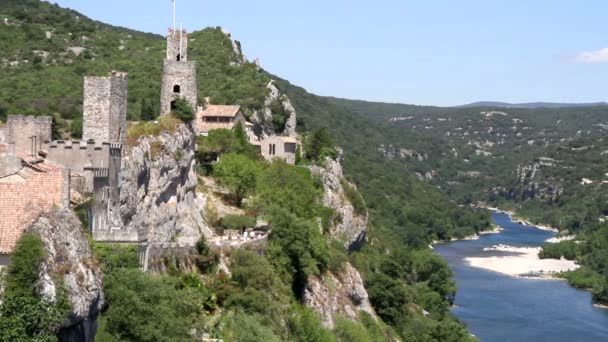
497	307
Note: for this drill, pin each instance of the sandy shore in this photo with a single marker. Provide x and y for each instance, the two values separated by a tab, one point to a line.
497	229
514	218
560	239
601	306
525	263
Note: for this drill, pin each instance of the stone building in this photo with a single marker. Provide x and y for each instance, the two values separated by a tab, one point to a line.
179	75
105	108
216	117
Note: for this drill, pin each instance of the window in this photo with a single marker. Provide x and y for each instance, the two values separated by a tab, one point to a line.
176	89
173	105
179	57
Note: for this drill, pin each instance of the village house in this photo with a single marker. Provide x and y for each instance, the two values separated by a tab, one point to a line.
218	116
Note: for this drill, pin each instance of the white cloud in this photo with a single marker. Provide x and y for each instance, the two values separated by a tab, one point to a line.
595	56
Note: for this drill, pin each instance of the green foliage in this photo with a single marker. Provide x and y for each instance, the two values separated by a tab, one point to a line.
147	113
338	257
24	316
279	115
238	173
291	187
296	248
116	256
76	128
183	110
149	308
566	249
354	197
248	328
319	145
306	327
222	141
238	222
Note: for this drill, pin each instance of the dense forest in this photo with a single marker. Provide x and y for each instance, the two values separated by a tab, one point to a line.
410	288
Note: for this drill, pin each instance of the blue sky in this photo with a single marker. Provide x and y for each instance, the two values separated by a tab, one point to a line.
419	52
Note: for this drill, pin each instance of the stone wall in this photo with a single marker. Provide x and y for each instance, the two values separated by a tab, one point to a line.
22	128
9	163
173	45
182	74
105	108
76	155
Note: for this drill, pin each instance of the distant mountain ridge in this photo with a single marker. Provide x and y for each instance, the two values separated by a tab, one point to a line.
530	104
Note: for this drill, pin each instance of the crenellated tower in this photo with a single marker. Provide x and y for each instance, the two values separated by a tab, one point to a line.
179	75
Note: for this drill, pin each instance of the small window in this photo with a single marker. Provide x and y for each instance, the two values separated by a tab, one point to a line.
179	57
173	105
177	89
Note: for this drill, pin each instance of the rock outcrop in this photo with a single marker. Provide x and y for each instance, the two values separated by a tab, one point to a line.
69	256
158	190
351	227
343	292
263	118
338	294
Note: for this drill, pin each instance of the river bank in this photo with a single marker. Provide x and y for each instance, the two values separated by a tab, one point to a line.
506	306
523	262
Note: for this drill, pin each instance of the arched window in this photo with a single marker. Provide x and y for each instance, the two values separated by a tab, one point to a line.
173	105
176	89
179	57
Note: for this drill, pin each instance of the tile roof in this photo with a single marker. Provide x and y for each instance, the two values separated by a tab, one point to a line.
221	110
21	203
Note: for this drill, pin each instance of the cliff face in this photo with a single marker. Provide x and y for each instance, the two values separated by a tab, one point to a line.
263	118
352	226
338	294
69	256
342	292
158	191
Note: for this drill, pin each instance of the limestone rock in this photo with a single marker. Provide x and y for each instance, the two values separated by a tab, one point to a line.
263	118
69	255
158	190
333	294
351	227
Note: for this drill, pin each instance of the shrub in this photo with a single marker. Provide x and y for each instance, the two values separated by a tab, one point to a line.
354	197
238	222
183	110
238	173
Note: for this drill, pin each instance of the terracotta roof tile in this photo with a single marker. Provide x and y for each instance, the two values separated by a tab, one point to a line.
221	110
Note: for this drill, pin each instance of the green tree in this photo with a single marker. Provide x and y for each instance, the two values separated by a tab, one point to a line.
24	316
183	110
319	145
238	173
147	112
76	128
296	248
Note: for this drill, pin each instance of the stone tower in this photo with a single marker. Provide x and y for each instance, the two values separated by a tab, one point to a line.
105	108
179	75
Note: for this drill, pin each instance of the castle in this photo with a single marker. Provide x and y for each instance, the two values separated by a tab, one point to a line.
37	172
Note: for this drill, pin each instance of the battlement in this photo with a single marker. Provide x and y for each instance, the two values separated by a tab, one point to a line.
29	133
105	107
78	155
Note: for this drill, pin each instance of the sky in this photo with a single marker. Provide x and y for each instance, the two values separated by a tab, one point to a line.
425	52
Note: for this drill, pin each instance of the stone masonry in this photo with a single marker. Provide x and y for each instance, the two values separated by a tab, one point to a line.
179	75
22	129
105	108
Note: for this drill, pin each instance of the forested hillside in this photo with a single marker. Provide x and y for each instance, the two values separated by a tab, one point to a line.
547	164
46	51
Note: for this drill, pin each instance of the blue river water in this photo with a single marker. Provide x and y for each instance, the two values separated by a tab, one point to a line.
497	307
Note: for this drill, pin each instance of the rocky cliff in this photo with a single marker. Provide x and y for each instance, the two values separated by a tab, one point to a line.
69	256
351	226
342	293
339	292
158	191
263	118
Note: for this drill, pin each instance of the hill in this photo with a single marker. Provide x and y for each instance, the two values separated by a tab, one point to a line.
530	105
46	50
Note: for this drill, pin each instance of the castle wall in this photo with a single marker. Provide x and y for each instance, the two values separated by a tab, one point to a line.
75	155
9	163
21	128
182	74
105	108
